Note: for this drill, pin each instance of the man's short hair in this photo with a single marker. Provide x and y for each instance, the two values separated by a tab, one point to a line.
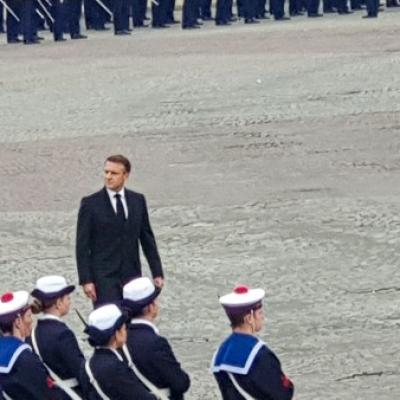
120	159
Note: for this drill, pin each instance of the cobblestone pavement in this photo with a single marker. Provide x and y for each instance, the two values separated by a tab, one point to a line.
269	154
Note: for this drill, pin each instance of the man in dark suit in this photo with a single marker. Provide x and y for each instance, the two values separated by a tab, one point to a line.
111	223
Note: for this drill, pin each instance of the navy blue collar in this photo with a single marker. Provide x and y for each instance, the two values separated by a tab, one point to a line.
236	354
10	349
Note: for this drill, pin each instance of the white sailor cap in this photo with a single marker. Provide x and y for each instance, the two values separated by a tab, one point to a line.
242	299
13	304
51	287
138	293
103	322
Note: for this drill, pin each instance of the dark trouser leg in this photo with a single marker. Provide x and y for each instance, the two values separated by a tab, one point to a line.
312	7
109	291
372	7
137	14
277	7
125	15
27	21
117	15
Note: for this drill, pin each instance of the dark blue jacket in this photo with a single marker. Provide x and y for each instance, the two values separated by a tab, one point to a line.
114	377
59	349
154	358
264	379
27	377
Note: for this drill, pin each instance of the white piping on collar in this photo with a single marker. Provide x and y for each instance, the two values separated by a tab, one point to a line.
238	370
139	321
51	317
14	358
112	350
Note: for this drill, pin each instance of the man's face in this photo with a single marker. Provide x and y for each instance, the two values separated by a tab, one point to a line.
115	176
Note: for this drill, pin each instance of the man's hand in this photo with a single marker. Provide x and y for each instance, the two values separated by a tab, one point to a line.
159	281
90	291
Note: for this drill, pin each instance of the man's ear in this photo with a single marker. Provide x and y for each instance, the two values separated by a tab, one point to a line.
248	318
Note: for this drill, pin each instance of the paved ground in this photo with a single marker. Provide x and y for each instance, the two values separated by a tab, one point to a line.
269	155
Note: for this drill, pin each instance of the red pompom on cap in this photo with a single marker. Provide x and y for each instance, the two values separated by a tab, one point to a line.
7	297
241	289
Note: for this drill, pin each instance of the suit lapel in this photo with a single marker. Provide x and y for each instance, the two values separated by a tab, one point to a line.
129	202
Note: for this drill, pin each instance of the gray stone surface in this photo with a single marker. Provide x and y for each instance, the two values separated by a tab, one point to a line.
269	155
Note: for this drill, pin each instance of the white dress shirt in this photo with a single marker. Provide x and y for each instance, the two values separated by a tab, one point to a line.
113	200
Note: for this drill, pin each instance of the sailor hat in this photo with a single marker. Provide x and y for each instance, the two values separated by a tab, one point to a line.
103	322
138	293
51	287
242	300
13	304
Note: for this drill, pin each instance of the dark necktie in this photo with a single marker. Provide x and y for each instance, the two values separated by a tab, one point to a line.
120	209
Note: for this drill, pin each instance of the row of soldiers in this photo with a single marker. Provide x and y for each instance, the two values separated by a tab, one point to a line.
27	17
130	359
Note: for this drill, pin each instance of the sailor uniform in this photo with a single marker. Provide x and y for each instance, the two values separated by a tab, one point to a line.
59	350
245	363
154	358
22	375
106	376
116	380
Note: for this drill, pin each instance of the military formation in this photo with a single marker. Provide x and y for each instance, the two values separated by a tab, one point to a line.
130	359
23	20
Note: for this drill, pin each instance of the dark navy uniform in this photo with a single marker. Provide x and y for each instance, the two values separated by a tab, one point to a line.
278	9
59	350
372	8
313	8
74	11
22	375
114	377
29	29
246	361
13	27
154	358
58	11
1	22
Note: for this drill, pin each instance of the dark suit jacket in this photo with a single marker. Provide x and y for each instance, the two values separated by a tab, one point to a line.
107	253
154	358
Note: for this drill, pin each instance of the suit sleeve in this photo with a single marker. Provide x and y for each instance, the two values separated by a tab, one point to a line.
169	369
269	378
148	243
83	243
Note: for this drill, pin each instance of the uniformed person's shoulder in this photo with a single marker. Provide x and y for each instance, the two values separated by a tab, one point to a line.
13	351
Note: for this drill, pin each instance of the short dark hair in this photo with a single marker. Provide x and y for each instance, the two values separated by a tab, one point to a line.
120	159
6	327
237	318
